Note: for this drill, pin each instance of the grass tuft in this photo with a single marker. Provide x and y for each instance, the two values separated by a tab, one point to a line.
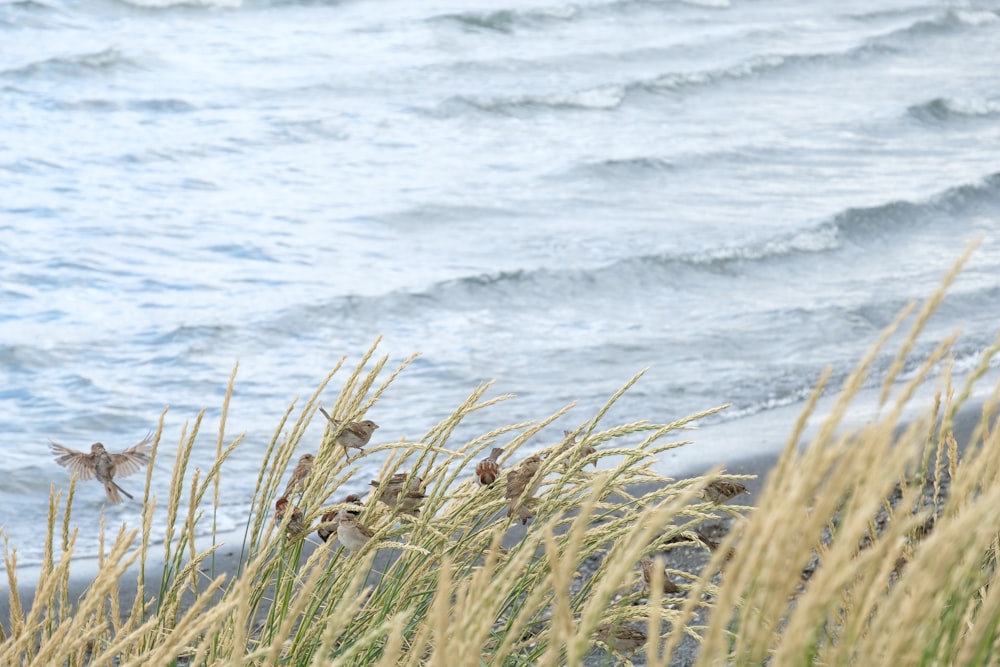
873	541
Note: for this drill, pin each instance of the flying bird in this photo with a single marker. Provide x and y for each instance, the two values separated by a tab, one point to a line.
104	466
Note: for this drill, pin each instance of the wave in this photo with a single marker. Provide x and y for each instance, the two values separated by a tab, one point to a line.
862	224
611	96
183	4
435	214
189	335
27	5
948	21
96	63
25	358
22	14
870	227
858	226
608	97
508	20
621	168
944	109
599	98
761	65
165	105
31	166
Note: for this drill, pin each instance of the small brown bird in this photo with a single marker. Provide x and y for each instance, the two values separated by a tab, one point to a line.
710	544
105	467
721	490
648	567
713	545
355	434
581	451
328	524
352	535
331	520
302	471
295	522
393	494
621	638
521	486
488	469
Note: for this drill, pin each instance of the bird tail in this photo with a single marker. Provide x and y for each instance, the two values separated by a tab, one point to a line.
112	490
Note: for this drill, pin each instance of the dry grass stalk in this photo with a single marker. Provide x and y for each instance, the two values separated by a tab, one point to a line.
884	578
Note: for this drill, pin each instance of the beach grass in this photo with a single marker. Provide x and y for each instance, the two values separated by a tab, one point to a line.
872	545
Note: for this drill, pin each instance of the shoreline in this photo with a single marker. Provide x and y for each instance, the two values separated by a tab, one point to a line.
227	557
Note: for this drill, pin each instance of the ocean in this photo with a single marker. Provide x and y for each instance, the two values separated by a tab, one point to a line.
550	195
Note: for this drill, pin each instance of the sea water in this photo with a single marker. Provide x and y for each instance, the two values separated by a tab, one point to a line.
550	195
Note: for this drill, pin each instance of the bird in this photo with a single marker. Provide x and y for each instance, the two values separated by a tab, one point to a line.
488	469
330	521
705	539
621	638
518	491
721	490
648	568
302	470
355	435
352	534
294	522
393	494
104	466
582	451
713	545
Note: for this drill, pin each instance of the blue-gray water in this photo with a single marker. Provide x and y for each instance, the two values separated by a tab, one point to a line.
555	195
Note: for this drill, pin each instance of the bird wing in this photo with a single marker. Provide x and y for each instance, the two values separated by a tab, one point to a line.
132	459
75	461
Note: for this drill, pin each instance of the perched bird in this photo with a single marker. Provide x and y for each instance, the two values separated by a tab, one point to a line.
680	538
721	490
295	522
621	638
648	567
331	520
302	470
352	535
328	524
713	545
105	467
488	469
519	492
393	494
355	434
581	451
704	538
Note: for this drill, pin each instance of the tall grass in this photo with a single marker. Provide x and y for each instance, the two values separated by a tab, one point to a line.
837	564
